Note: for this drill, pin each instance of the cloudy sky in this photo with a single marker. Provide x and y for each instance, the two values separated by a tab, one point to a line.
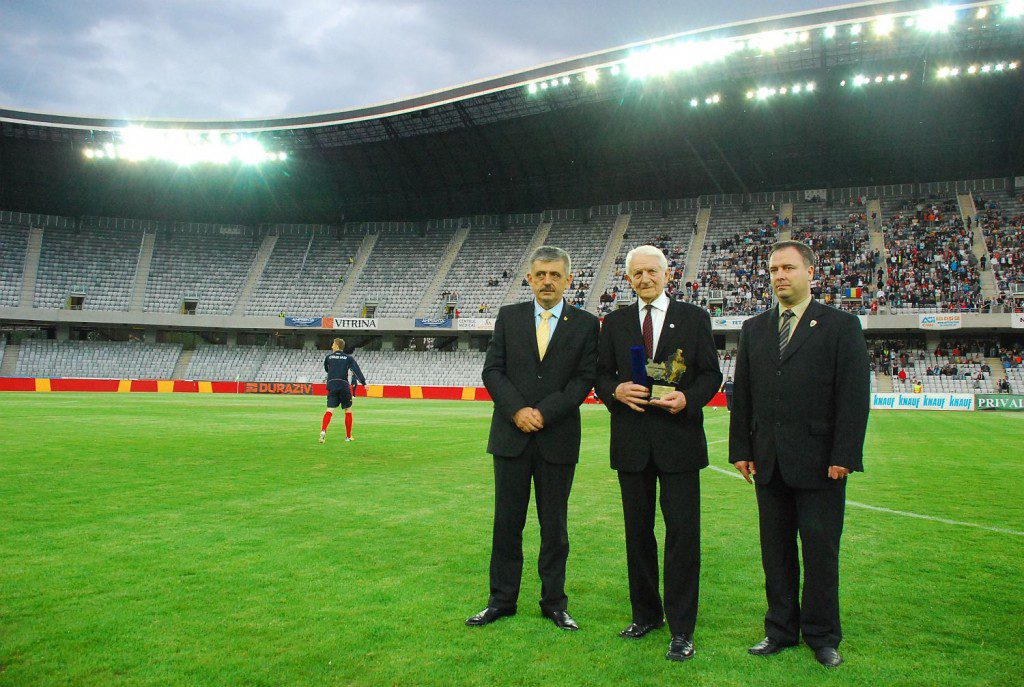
229	58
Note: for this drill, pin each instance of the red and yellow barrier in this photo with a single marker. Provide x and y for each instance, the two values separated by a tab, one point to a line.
179	386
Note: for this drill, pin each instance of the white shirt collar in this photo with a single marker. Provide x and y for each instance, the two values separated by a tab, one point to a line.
659	303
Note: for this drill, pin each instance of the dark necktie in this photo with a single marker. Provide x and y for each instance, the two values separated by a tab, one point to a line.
787	315
648	332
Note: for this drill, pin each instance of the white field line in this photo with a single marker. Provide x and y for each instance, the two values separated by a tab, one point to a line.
891	511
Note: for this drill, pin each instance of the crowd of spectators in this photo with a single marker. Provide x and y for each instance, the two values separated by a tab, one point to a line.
846	264
1003	229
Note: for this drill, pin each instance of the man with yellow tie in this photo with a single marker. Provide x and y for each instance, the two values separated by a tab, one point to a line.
540	366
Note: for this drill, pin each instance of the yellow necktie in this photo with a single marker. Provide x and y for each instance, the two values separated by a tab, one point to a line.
543	332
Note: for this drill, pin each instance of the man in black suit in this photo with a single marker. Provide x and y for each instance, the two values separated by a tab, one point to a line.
659	440
540	367
799	414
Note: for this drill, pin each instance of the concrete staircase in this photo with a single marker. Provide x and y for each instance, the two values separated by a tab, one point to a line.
430	294
358	263
883	383
181	367
255	270
539	237
697	245
611	249
875	208
786	213
998	371
142	271
10	360
28	281
989	289
785	234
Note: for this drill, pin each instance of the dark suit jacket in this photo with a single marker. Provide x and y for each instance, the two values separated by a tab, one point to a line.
808	410
677	442
516	378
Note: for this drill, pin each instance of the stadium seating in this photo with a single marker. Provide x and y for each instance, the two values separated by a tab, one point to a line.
209	267
303	275
227	363
292	365
487	254
584	240
97	263
422	368
931	267
97	359
732	275
398	271
13	242
846	263
1002	222
672	232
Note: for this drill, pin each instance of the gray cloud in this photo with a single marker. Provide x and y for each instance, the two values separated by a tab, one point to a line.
193	59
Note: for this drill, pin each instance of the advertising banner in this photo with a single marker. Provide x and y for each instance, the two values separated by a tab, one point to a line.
1017	320
286	388
922	401
434	323
1012	402
303	321
354	323
944	320
476	324
731	323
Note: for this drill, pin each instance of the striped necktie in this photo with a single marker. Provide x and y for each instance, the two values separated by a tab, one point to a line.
787	315
543	332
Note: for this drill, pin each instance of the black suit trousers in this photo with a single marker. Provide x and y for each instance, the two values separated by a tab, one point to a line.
680	507
816	515
552	483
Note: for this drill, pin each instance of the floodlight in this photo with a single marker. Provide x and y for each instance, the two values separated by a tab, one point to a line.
693	102
591	76
750	94
804	36
943	72
1013	9
830	32
532	88
796	88
973	69
878	79
810	86
716	98
903	76
843	82
1001	66
982	13
89	153
938	19
782	90
1012	65
986	68
565	80
544	86
909	22
855	30
890	78
884	26
615	70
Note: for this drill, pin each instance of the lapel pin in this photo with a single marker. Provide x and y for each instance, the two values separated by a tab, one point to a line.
671	325
814	323
565	318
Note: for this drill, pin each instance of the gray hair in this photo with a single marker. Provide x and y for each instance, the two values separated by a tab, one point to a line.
551	254
647	250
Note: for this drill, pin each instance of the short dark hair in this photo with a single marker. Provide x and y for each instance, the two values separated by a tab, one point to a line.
805	251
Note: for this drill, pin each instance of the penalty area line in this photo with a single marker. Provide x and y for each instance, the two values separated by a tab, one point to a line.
892	511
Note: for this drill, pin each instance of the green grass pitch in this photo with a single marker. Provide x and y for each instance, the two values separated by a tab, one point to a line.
209	540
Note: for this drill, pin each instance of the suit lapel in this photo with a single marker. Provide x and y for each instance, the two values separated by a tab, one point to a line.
530	326
636	336
802	332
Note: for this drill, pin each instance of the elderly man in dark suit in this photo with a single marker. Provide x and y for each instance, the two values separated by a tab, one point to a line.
659	440
540	367
799	415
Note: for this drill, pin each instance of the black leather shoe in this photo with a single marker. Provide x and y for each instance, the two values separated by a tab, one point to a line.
680	648
638	630
562	619
828	657
767	647
488	616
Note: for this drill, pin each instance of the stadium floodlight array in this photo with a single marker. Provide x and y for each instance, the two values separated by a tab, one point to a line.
878	79
681	55
766	92
137	144
712	99
977	69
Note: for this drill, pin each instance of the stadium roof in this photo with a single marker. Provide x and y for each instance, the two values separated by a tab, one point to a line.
870	93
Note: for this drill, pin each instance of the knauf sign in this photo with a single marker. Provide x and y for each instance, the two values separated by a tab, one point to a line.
922	401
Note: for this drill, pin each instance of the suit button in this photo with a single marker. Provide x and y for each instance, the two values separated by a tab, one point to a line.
778	373
778	424
539	377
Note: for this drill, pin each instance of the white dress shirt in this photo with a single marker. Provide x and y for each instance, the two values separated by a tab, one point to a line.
659	308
